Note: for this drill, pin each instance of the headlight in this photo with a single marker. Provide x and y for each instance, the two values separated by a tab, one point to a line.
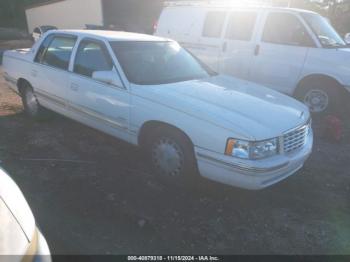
251	150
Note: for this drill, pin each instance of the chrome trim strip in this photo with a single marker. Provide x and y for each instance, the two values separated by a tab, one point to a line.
97	116
54	99
81	110
241	166
280	177
298	127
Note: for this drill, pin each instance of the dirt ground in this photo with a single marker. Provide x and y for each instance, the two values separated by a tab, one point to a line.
92	194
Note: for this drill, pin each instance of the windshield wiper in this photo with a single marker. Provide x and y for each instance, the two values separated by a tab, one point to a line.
335	45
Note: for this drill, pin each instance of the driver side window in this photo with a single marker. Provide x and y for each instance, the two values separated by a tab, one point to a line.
286	29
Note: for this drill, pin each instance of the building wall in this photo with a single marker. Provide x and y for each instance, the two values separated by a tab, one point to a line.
132	15
66	14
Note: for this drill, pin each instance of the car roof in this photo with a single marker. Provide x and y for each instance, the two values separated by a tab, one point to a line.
242	7
112	35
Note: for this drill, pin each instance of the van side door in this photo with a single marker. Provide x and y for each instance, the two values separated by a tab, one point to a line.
239	44
101	105
209	45
280	55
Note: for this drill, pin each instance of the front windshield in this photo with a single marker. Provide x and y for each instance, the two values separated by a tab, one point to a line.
324	31
154	63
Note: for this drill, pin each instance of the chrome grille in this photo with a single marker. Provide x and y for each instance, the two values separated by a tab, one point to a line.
295	139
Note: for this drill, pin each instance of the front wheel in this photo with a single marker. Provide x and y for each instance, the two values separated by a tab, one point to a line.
320	98
171	156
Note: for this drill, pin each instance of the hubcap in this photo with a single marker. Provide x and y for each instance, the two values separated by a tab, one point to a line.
317	100
31	102
167	157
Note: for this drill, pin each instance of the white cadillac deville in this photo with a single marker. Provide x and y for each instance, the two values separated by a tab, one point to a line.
151	92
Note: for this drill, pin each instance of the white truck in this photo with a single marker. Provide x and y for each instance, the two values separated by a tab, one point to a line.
294	51
151	92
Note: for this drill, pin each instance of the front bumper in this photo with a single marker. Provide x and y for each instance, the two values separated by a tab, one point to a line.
42	252
38	250
251	174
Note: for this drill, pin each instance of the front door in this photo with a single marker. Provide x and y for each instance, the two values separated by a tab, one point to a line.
96	103
281	53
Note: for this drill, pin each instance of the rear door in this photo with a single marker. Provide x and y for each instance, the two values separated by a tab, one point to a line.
209	45
95	103
281	53
239	44
50	71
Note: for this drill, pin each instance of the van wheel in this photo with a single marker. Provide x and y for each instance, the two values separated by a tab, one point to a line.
171	156
320	98
31	105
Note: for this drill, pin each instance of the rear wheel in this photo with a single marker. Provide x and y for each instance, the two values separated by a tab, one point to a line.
171	156
31	105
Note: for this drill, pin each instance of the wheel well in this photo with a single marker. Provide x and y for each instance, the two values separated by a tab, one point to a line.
313	78
21	84
149	126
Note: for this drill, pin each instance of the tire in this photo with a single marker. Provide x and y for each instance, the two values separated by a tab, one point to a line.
32	108
171	156
321	96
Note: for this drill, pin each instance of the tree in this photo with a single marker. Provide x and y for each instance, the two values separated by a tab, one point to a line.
12	12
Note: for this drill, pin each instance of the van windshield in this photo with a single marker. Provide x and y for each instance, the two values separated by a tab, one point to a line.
324	31
154	63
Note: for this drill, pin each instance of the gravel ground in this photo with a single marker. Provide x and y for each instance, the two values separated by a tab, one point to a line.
103	200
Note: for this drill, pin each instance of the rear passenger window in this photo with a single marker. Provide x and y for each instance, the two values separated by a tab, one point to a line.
59	52
241	26
92	56
213	24
43	48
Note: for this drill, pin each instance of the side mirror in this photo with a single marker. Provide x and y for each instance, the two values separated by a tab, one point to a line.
347	38
107	77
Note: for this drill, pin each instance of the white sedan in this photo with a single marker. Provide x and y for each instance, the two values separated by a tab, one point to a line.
151	92
19	236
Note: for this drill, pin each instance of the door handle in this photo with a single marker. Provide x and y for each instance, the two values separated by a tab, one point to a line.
224	47
74	87
34	73
257	50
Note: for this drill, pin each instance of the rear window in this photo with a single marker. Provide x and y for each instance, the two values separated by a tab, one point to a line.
213	24
59	52
241	26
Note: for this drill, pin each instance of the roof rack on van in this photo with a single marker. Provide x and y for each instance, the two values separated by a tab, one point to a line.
229	3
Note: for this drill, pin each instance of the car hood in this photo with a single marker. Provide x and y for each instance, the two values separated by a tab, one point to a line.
253	111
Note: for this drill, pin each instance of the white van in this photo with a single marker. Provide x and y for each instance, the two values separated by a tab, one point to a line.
294	51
